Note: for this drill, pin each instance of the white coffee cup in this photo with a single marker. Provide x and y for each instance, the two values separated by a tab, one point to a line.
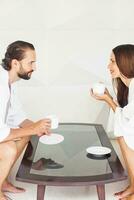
54	121
99	88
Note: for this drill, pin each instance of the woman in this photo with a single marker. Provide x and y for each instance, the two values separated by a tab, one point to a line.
121	67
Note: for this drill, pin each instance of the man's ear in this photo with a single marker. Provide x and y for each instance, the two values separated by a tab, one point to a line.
15	64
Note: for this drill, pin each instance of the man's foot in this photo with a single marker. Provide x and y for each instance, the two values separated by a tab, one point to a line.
8	187
2	197
125	193
7	197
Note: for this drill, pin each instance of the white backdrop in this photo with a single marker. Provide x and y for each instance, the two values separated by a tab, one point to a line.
73	40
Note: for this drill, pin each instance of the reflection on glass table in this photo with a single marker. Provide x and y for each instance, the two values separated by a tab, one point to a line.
67	163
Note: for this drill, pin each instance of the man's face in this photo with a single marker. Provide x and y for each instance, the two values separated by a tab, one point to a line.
27	65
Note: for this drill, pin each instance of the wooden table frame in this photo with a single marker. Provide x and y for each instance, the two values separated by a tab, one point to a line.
117	174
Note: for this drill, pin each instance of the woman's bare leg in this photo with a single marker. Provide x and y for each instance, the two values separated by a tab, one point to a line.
128	155
131	197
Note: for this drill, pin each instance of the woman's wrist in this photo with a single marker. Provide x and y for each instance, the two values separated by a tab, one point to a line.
111	103
108	99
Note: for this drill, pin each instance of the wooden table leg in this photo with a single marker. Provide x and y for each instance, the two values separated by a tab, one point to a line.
101	191
40	192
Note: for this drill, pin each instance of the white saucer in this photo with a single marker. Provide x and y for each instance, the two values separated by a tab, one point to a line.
52	139
98	150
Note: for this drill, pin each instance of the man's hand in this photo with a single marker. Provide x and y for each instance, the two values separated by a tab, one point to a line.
39	128
42	127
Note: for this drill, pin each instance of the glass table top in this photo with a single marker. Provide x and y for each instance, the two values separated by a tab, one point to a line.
69	158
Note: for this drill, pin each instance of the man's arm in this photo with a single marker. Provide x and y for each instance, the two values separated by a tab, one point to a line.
29	128
26	123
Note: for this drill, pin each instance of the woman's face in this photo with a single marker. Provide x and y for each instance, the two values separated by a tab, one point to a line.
113	68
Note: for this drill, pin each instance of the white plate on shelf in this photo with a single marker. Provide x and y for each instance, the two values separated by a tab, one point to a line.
51	139
98	150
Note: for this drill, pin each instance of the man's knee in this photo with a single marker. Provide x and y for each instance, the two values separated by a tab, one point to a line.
26	139
8	150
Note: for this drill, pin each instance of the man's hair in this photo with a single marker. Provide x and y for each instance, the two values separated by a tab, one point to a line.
15	50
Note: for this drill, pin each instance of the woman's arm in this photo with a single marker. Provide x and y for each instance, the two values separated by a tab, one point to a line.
111	103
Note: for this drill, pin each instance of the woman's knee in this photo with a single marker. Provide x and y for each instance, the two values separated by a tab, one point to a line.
8	150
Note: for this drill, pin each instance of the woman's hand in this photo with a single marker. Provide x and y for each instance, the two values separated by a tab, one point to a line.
105	97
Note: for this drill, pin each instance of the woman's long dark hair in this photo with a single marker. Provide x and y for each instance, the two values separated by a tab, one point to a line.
15	50
124	56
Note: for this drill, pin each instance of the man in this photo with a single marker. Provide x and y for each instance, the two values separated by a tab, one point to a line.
15	128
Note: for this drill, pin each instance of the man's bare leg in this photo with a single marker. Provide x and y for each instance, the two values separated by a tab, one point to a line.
7	158
128	155
20	145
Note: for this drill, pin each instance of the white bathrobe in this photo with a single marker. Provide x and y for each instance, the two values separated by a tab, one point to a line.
124	119
11	113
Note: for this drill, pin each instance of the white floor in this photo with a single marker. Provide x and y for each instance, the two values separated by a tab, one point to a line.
67	193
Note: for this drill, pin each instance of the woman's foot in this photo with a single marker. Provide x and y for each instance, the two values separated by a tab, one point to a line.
8	187
130	197
121	192
125	193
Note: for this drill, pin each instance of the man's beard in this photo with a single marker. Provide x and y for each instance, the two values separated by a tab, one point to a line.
24	75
